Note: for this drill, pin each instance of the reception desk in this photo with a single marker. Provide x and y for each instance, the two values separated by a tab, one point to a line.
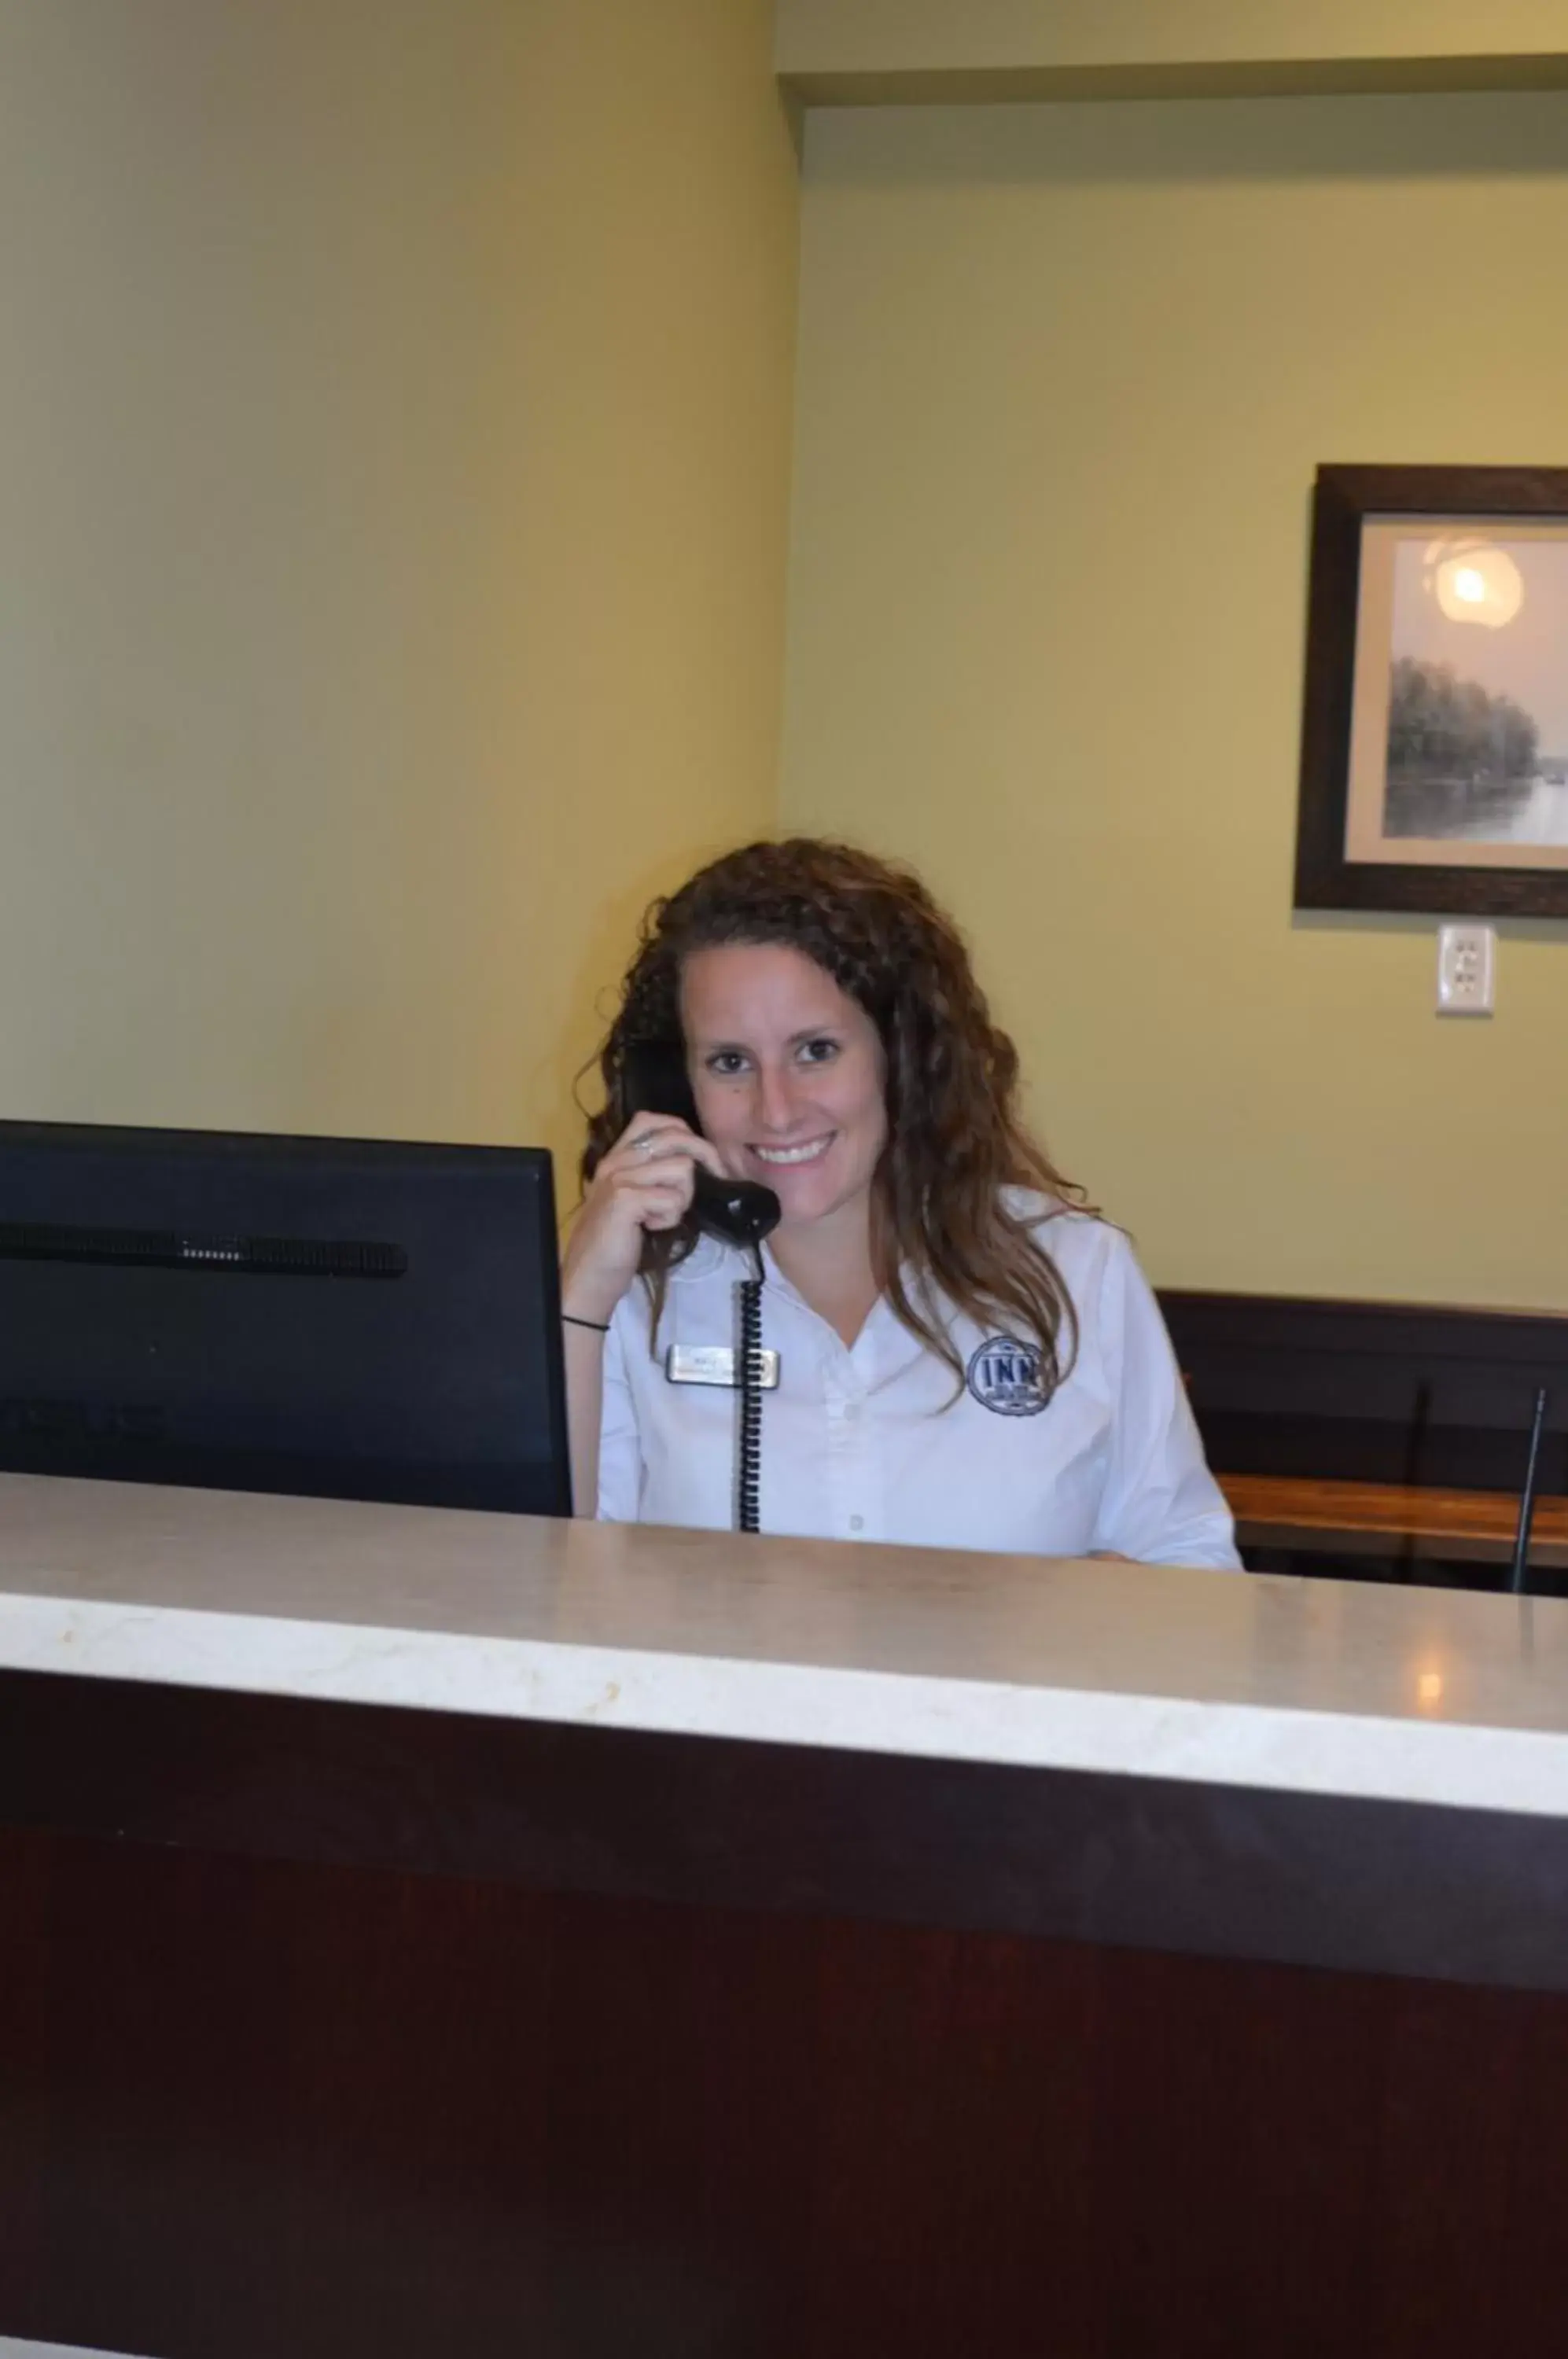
429	1932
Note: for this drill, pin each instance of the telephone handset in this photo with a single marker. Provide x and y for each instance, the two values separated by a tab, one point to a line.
741	1212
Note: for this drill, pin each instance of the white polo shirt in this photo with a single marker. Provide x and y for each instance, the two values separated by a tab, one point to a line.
867	1442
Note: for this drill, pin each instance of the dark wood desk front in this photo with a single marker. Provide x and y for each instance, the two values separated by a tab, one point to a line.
331	2028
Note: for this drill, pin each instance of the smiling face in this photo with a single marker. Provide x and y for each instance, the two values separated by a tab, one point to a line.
787	1074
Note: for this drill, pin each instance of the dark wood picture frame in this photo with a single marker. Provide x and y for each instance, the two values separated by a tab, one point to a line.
1326	879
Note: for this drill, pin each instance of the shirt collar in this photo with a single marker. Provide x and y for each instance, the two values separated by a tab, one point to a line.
712	1257
707	1259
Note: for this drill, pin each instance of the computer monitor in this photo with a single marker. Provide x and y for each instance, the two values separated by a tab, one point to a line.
350	1318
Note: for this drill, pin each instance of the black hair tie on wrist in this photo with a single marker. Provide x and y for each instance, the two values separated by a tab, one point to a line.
596	1325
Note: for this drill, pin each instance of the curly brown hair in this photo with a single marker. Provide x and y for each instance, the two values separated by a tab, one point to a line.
955	1138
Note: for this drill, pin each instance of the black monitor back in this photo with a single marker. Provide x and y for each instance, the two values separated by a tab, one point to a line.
344	1318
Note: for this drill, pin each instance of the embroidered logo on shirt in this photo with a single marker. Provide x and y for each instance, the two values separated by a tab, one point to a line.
1005	1375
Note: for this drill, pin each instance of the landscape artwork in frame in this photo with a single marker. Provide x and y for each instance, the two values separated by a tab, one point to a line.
1435	743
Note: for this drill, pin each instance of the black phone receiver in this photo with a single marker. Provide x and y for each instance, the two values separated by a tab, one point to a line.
741	1212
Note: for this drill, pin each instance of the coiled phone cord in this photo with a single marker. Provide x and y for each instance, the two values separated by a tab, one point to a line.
748	1471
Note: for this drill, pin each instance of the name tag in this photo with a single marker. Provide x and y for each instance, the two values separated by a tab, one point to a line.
714	1364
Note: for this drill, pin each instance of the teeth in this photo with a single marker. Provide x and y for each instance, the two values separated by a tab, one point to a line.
792	1154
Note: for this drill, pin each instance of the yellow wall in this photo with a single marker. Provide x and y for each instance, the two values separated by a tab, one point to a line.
394	443
394	446
1065	375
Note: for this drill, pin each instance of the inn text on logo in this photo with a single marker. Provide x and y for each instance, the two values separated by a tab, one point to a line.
1005	1375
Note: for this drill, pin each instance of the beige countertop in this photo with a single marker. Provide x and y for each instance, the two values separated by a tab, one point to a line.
1314	1686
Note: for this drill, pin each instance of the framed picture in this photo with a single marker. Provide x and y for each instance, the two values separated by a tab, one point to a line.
1435	733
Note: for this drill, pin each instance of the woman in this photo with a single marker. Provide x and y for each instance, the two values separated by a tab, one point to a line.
966	1358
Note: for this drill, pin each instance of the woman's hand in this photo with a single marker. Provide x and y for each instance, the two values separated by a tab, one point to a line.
644	1183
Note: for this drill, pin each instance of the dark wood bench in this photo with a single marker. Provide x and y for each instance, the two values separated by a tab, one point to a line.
1388	1438
1357	1519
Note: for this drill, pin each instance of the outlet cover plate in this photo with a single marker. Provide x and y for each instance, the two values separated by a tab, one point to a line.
1467	969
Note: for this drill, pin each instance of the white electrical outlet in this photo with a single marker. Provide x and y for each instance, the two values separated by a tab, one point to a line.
1466	966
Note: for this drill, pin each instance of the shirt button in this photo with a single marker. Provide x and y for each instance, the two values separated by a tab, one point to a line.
857	1522
852	1409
